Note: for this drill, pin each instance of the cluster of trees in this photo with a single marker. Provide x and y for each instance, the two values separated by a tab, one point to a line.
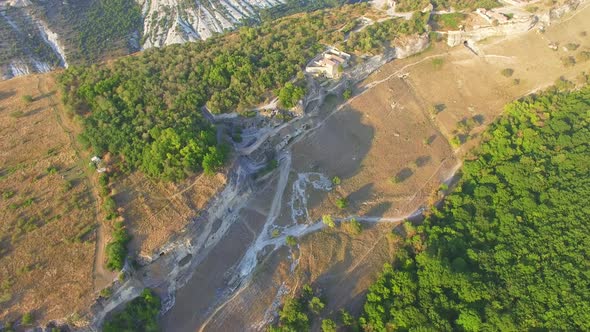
297	312
107	24
290	94
139	315
413	5
116	250
508	250
146	108
373	38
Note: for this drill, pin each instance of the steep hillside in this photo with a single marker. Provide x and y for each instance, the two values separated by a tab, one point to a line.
39	36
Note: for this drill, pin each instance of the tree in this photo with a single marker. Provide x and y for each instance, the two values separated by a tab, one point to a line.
328	325
28	318
316	305
290	94
347	93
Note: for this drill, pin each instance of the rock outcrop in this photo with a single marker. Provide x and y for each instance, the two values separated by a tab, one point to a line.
173	21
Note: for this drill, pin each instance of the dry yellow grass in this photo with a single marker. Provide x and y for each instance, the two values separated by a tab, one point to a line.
47	210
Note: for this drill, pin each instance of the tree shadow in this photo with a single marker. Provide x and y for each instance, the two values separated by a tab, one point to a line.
404	174
431	139
6	94
45	95
363	194
423	161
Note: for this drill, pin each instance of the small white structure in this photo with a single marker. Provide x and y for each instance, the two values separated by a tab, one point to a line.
330	64
97	163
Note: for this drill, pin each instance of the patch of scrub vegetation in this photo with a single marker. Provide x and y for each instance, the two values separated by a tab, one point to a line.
139	315
413	5
509	240
298	312
507	72
450	21
375	37
116	250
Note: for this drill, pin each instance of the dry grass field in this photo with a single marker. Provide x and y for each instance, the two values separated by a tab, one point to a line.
47	209
53	231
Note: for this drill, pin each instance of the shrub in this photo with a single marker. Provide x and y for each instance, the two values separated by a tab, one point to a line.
51	170
507	72
28	318
437	63
336	181
353	227
568	61
17	114
291	240
327	219
110	207
106	292
117	249
572	46
27	99
341	203
8	194
583	56
347	94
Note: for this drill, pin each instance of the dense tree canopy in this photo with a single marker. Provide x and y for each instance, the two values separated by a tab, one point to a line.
509	250
139	315
147	108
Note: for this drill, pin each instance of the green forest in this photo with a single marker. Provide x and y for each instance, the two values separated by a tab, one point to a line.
508	250
141	314
147	108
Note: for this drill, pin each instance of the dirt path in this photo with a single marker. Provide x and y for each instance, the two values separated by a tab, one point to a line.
102	277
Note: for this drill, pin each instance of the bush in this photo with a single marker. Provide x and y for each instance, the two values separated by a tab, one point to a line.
291	240
116	250
347	94
572	46
353	227
106	292
27	99
327	220
507	72
139	315
568	61
28	318
583	56
8	194
437	63
336	181
341	203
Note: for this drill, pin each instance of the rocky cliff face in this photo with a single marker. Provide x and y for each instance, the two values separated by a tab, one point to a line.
27	45
177	21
